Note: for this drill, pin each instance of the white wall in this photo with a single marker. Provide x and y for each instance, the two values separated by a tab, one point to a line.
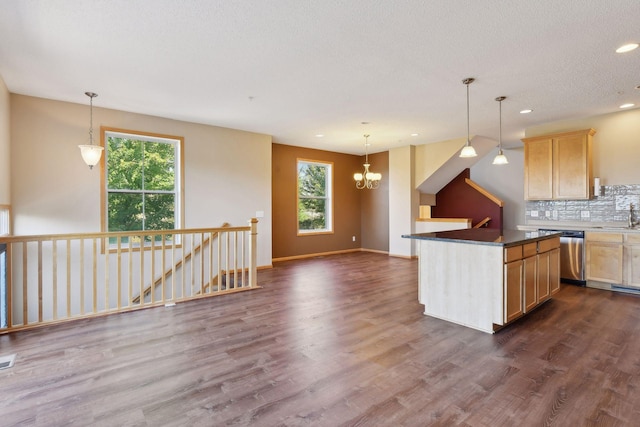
5	137
403	201
227	172
505	182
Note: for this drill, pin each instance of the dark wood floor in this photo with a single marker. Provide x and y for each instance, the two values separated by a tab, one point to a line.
331	341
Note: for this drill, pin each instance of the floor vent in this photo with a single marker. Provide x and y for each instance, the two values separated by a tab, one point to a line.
6	362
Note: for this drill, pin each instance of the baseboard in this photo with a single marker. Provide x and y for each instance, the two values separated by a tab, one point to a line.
404	256
375	251
345	251
317	254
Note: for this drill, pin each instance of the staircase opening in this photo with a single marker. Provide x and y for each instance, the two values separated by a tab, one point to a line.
463	198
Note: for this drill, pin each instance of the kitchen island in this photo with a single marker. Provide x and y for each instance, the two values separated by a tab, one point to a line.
485	278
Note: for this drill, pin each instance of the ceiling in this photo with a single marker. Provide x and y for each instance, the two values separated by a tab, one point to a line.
297	68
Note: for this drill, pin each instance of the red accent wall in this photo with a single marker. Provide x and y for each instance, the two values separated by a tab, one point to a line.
457	199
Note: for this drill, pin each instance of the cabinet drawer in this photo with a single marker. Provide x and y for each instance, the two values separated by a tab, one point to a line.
633	238
548	244
530	249
512	253
604	237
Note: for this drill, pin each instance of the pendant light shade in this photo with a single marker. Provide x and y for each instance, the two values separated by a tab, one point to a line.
500	159
91	153
468	150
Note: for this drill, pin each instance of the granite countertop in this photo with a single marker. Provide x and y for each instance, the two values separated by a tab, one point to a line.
484	236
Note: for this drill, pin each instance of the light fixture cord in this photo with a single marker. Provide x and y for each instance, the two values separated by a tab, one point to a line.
468	142
500	127
91	120
366	148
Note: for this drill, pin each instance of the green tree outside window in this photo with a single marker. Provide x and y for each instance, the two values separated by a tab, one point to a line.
141	183
314	197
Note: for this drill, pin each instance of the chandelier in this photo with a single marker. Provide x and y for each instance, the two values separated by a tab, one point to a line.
367	179
91	153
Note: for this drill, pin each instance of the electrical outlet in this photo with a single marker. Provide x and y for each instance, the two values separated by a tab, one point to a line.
353	238
534	214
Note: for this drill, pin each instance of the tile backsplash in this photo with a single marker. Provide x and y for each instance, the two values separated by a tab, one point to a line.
612	206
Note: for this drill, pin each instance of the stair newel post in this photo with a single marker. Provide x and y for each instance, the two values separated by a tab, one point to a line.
253	252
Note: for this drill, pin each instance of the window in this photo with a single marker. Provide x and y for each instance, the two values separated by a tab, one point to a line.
142	181
314	197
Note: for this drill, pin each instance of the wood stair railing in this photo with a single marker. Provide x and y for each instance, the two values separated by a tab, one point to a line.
484	192
224	274
483	223
63	277
177	265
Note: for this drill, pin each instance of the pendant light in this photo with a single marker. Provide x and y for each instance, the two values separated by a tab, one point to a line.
91	153
500	159
367	179
468	150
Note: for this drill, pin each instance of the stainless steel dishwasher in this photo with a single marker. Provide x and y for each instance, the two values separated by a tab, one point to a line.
571	256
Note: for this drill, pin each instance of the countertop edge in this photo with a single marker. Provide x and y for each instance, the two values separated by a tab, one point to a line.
527	239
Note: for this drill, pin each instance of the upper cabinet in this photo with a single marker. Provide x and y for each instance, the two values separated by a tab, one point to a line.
558	166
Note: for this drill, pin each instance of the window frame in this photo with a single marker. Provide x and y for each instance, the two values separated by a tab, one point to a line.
329	198
179	176
5	220
5	294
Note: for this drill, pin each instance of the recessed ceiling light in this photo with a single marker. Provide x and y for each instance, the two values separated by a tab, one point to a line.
627	48
629	105
638	87
527	111
415	134
319	135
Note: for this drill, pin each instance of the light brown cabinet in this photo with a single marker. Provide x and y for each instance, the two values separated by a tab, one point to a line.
531	276
613	258
604	257
544	290
513	290
554	270
558	166
631	260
